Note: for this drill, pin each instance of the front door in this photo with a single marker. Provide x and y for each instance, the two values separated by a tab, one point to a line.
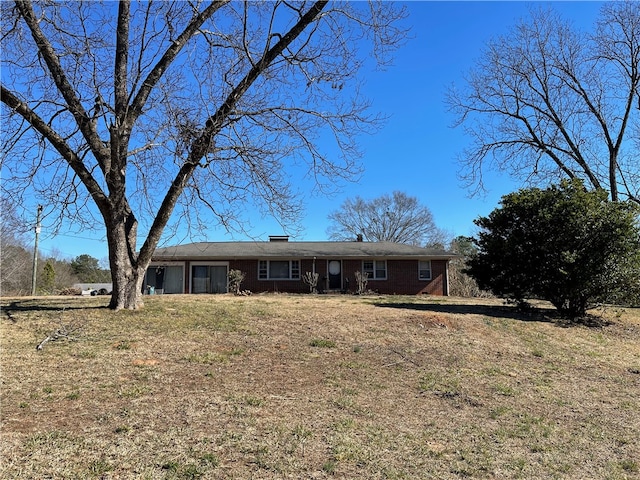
335	275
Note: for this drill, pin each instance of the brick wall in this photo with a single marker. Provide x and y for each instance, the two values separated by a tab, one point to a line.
402	277
253	283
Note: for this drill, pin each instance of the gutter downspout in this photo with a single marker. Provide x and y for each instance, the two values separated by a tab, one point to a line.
446	278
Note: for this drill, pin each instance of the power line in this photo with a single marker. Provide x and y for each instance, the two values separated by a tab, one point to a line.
53	252
103	240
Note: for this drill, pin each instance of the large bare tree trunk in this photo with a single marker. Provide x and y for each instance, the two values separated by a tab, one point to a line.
127	276
127	266
127	287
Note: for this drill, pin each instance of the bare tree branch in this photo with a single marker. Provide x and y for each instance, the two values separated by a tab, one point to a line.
547	102
161	108
389	218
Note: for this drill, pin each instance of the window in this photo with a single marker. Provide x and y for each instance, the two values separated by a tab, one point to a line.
279	269
209	279
295	269
377	269
263	269
424	270
165	278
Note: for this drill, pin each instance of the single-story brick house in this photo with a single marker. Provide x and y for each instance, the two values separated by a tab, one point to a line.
279	265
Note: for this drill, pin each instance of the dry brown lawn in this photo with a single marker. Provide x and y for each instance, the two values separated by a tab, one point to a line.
303	387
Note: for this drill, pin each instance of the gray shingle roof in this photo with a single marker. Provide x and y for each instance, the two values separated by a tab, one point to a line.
255	250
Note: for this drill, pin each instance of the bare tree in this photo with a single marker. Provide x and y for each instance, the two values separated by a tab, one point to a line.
311	279
131	115
461	284
547	102
396	218
15	269
15	257
235	279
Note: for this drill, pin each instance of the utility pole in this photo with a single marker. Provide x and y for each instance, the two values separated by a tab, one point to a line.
35	252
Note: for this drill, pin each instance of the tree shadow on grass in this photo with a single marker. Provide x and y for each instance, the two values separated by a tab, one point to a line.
533	314
15	307
512	312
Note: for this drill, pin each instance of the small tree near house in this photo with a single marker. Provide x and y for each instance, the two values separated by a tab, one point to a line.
361	282
236	277
311	279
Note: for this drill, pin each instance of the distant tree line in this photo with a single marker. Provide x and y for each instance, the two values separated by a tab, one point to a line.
54	274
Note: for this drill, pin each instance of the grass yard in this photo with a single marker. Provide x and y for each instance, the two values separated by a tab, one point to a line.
306	387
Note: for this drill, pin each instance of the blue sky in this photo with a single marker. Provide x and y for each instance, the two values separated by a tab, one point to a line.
416	150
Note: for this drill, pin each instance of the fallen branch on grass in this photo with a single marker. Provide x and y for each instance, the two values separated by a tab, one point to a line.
67	332
405	358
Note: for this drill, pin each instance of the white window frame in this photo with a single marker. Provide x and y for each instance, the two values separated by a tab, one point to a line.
420	270
372	273
264	270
